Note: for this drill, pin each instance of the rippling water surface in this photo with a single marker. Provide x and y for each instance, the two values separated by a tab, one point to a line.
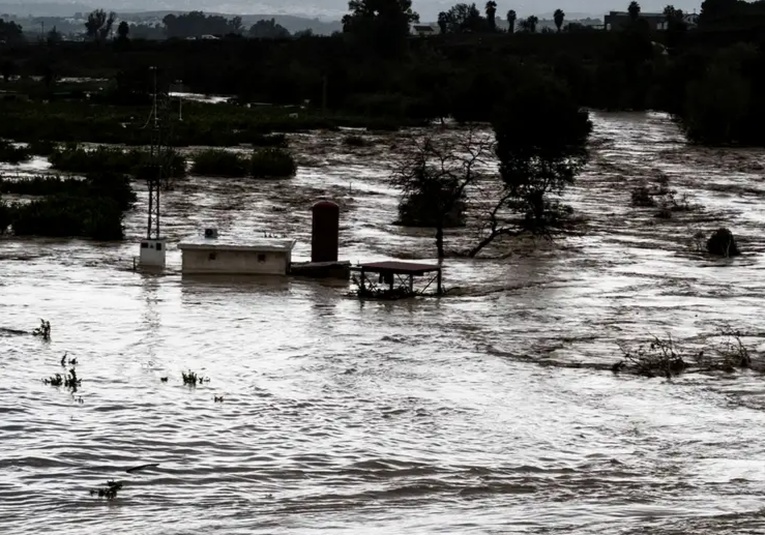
431	416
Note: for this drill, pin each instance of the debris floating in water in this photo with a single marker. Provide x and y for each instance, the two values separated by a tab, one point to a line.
141	467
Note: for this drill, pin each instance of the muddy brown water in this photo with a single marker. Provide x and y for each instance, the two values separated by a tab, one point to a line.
429	416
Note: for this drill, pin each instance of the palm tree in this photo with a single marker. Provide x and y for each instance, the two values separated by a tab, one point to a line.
529	24
558	17
491	12
634	10
511	17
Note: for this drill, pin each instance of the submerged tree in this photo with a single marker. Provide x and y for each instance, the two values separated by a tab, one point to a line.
437	178
541	139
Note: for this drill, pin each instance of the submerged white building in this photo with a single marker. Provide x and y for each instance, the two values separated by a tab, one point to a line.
210	254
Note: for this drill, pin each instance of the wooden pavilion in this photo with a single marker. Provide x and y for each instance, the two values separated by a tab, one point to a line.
395	280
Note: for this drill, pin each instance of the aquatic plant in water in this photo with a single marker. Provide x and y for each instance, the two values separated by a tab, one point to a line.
70	380
272	163
657	357
191	378
355	141
11	154
664	357
109	491
219	162
43	330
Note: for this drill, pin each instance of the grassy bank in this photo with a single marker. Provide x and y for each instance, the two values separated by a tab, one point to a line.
202	124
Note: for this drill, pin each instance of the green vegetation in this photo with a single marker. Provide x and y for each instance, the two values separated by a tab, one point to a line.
92	207
69	380
109	491
74	158
375	75
264	163
664	357
355	141
11	154
43	331
223	163
42	147
272	163
191	378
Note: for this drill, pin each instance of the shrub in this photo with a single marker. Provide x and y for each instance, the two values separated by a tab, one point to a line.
722	243
6	216
420	210
354	141
272	163
642	196
269	140
12	154
112	185
76	159
42	147
219	162
65	215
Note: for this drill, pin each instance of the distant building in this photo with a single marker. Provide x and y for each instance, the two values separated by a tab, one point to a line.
424	30
616	20
691	19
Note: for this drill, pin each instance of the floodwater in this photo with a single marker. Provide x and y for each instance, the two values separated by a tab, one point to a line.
491	410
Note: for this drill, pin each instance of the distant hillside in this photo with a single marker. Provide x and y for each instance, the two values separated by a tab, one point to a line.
25	13
46	9
293	23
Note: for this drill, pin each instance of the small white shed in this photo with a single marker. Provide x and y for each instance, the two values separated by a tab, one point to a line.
232	256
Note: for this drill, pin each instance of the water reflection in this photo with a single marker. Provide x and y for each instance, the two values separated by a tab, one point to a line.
196	286
151	323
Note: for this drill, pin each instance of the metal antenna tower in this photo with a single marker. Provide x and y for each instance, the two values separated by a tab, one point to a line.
157	172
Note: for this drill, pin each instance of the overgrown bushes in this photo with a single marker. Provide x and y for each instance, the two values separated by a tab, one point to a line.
77	159
91	208
12	154
263	163
664	357
214	162
41	147
66	215
420	210
272	163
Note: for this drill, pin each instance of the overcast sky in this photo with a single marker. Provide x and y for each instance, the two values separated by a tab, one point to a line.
428	9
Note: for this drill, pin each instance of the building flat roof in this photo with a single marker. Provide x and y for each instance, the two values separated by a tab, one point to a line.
235	243
407	268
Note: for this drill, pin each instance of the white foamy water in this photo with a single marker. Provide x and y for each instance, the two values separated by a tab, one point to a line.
459	415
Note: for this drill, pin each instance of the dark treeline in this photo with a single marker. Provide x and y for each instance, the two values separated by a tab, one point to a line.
707	76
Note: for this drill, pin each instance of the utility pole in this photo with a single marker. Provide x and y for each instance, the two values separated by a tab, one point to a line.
154	177
324	94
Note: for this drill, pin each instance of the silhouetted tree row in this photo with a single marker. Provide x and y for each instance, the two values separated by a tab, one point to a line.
10	32
376	69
